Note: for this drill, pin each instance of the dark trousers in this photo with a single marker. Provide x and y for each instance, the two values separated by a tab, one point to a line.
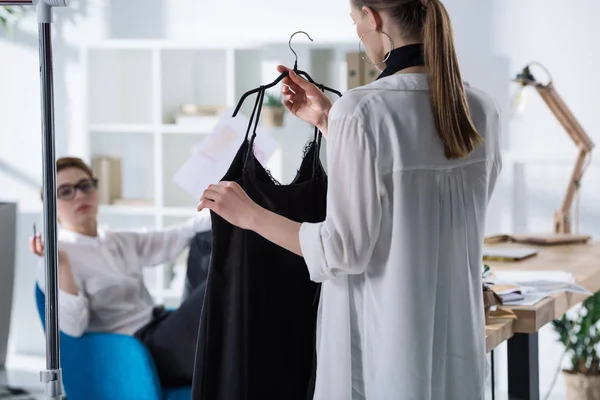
171	336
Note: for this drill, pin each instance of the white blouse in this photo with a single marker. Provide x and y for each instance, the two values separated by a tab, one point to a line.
400	252
107	269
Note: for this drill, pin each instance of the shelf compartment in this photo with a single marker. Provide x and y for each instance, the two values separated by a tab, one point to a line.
122	128
202	125
120	86
136	152
190	76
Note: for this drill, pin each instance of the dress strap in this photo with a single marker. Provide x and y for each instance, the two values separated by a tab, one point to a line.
259	101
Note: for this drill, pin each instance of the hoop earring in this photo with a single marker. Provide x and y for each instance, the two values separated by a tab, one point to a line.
366	59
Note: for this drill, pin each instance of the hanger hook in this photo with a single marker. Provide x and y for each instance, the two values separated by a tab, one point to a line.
290	44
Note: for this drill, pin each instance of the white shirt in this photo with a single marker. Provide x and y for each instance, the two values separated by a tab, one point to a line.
400	252
107	269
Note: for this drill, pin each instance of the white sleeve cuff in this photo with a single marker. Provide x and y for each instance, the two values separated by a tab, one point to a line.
311	244
71	301
73	316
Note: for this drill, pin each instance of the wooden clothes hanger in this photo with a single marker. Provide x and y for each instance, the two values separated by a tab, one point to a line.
283	75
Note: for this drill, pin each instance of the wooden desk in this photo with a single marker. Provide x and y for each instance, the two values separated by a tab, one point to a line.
583	261
498	331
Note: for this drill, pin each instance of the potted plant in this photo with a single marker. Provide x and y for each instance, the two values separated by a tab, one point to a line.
273	110
580	336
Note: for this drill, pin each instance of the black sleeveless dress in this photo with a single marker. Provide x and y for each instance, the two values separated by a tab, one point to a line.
257	328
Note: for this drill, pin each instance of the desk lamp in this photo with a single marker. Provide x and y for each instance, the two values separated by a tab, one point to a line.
562	218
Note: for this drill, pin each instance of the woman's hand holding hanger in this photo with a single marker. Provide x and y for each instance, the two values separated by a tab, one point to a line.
305	100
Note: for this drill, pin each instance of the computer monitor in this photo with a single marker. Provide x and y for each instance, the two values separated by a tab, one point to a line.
8	232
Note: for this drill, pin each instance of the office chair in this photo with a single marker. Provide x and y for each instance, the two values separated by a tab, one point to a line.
108	366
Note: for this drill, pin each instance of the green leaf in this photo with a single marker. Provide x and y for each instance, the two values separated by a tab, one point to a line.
581	336
10	15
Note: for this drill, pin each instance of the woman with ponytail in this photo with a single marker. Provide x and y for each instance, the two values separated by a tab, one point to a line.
412	161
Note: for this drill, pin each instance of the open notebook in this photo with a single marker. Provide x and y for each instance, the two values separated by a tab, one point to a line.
498	253
551	239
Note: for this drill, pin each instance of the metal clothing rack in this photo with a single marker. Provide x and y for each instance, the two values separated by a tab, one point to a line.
52	376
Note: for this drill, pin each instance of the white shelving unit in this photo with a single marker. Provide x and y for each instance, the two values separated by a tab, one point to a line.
133	91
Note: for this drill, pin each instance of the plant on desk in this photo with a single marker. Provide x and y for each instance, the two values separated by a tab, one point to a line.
580	336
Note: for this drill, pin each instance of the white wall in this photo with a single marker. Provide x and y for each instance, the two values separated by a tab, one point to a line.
495	39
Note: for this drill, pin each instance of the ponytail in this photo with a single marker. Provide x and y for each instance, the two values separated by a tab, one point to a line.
448	98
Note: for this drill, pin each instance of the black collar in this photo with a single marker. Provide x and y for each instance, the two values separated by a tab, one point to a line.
403	57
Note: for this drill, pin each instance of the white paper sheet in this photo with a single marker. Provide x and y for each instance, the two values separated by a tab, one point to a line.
535	285
211	159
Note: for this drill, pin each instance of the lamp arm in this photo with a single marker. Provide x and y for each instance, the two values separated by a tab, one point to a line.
562	218
565	116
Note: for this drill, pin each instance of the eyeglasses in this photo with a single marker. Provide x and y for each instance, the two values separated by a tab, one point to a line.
86	186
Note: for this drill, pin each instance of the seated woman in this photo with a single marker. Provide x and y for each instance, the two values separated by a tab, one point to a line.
101	287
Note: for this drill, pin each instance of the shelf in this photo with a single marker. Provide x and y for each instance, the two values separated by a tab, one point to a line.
127	210
179	212
162	44
204	126
122	128
125	44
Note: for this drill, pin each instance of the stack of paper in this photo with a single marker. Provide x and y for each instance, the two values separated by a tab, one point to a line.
535	285
508	293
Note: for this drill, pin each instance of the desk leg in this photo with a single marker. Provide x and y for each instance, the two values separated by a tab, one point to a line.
492	361
523	367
